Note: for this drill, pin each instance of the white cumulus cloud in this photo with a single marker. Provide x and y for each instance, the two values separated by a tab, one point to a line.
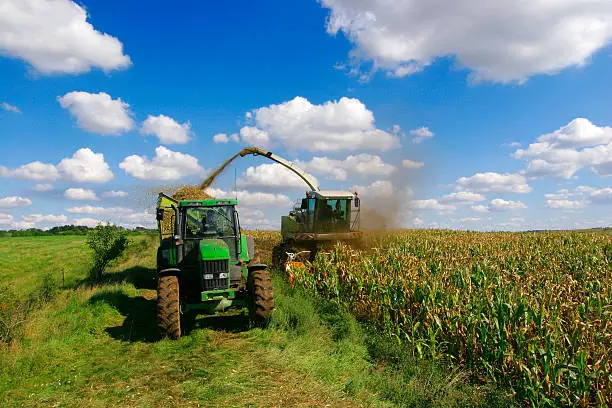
35	171
221	138
560	154
500	205
14	201
431	205
259	224
462	197
53	36
97	210
6	219
166	165
80	194
494	183
84	166
601	196
42	187
270	176
98	113
167	130
86	222
501	41
471	219
345	124
420	134
410	164
115	193
10	108
363	163
480	208
42	218
253	200
563	204
123	216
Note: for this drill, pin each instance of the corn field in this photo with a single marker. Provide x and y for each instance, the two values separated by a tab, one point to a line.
531	312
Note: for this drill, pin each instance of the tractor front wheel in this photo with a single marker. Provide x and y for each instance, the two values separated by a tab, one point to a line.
262	297
168	310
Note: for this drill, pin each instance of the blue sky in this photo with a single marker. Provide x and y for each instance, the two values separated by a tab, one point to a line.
432	112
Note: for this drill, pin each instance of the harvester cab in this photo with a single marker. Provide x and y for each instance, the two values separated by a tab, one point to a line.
323	216
206	264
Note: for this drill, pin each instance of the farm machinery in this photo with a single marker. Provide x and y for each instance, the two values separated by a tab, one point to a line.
320	218
205	264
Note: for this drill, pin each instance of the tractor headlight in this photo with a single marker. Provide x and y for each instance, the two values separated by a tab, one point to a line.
208	276
223	276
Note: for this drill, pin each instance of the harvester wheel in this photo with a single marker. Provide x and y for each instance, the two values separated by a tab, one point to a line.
168	311
262	297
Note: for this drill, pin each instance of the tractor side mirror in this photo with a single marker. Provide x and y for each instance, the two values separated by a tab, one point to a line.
304	204
356	202
159	215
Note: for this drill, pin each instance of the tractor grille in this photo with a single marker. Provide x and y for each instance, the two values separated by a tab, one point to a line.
215	269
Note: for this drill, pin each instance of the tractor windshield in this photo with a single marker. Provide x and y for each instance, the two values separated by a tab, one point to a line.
210	222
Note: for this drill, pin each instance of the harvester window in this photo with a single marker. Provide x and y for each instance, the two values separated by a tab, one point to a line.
332	215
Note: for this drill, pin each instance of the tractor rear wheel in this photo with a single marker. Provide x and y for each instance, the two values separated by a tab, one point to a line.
168	310
262	297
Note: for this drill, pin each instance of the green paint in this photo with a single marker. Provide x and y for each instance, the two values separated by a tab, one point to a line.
172	254
244	249
214	250
216	294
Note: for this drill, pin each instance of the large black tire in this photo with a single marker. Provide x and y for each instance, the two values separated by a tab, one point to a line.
262	297
168	310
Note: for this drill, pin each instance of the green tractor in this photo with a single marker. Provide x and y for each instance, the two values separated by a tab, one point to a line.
205	264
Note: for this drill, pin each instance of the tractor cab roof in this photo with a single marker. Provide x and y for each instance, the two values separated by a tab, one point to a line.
209	202
332	194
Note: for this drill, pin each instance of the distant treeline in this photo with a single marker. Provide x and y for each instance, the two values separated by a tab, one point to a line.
62	230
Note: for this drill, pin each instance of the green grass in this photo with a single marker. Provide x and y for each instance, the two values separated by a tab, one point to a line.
23	261
98	346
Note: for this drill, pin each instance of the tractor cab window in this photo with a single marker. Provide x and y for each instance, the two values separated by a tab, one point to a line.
209	222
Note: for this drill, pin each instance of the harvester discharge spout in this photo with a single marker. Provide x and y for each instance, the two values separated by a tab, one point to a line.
256	151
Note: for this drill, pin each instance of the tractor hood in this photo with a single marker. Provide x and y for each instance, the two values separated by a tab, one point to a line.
214	249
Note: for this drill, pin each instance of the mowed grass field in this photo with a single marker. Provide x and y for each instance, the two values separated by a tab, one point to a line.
24	261
76	345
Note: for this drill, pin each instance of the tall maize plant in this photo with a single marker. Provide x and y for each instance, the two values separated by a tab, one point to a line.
531	312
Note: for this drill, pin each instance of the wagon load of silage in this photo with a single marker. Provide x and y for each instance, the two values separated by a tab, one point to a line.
166	225
190	193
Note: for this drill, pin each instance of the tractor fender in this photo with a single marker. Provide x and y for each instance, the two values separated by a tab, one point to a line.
256	267
169	272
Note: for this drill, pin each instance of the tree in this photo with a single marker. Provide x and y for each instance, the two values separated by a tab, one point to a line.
108	243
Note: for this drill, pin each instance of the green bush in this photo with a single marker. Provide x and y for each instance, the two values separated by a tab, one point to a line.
108	243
